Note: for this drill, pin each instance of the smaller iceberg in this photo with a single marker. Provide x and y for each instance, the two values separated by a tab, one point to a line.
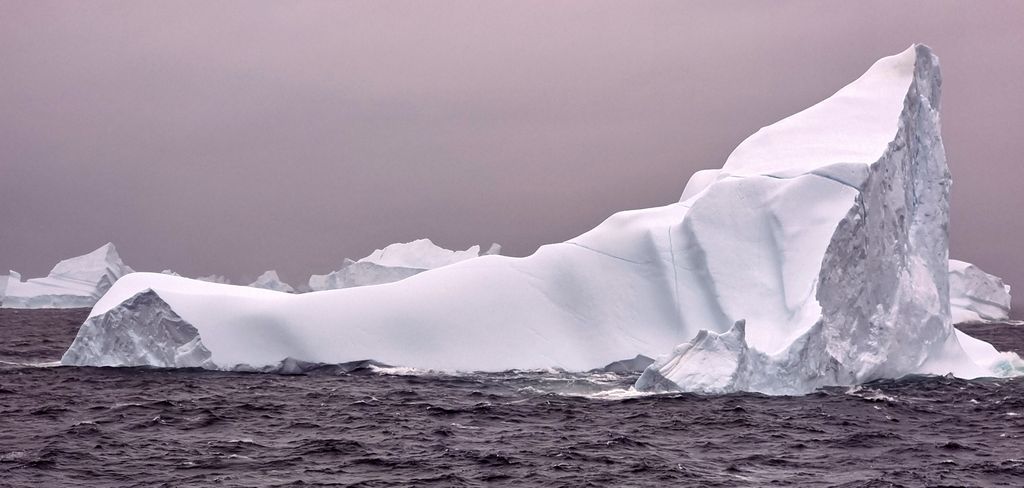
976	296
3	283
394	263
73	283
214	278
271	281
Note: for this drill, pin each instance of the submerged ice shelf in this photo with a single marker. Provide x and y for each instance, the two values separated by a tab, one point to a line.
817	255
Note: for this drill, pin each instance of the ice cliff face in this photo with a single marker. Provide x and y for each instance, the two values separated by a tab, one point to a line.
878	266
111	340
816	255
394	263
270	281
976	296
72	283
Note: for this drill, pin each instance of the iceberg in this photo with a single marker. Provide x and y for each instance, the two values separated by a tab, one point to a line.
72	283
3	282
354	273
394	263
270	281
493	250
214	278
976	296
817	255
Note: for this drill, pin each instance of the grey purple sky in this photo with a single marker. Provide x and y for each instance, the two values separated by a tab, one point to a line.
231	137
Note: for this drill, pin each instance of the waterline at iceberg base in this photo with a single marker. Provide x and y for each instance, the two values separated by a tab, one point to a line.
817	255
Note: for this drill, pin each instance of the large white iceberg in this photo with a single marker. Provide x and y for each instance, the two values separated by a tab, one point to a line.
269	280
393	263
976	296
72	283
817	255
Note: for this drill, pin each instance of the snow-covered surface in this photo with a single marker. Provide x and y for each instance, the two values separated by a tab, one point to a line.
269	280
815	256
976	296
698	182
394	263
72	283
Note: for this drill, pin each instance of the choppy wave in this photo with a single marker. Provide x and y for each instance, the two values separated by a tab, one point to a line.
378	426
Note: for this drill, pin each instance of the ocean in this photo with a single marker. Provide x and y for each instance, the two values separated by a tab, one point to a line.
98	427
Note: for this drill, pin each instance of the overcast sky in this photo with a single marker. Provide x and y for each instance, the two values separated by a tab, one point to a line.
233	137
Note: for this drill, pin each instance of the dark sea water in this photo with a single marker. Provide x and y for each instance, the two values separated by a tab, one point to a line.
96	427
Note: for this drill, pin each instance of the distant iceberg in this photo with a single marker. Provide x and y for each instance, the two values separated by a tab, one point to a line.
976	296
214	278
393	263
3	283
72	283
271	281
817	255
